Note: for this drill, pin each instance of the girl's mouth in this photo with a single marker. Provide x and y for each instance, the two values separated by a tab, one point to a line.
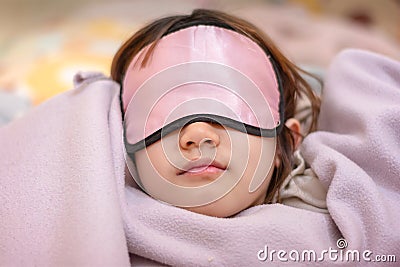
198	167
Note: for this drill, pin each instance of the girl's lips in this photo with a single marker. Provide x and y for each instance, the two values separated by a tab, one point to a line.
199	168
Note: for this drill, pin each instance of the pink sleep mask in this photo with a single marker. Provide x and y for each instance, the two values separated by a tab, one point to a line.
201	73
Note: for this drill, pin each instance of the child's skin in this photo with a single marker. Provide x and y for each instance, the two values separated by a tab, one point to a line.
189	141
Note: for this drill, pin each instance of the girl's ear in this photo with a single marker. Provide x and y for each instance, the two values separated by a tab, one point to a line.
294	125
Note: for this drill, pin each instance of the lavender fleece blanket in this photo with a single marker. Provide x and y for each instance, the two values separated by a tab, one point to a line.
64	202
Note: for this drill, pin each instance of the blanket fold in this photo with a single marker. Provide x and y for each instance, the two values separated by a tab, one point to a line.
58	198
64	200
357	150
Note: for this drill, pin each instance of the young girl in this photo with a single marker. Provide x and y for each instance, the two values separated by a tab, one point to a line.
209	105
208	124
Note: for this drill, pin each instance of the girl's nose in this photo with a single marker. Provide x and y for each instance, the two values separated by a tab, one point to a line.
198	133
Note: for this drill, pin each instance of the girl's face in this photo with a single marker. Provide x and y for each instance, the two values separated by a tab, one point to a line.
252	157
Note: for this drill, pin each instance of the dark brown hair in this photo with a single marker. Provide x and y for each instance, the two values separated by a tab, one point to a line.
293	84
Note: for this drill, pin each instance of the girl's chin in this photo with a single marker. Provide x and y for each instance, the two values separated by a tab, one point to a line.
220	208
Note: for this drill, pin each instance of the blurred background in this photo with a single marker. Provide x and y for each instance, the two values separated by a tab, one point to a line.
44	42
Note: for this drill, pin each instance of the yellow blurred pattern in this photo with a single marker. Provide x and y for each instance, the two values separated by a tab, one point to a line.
53	75
44	65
